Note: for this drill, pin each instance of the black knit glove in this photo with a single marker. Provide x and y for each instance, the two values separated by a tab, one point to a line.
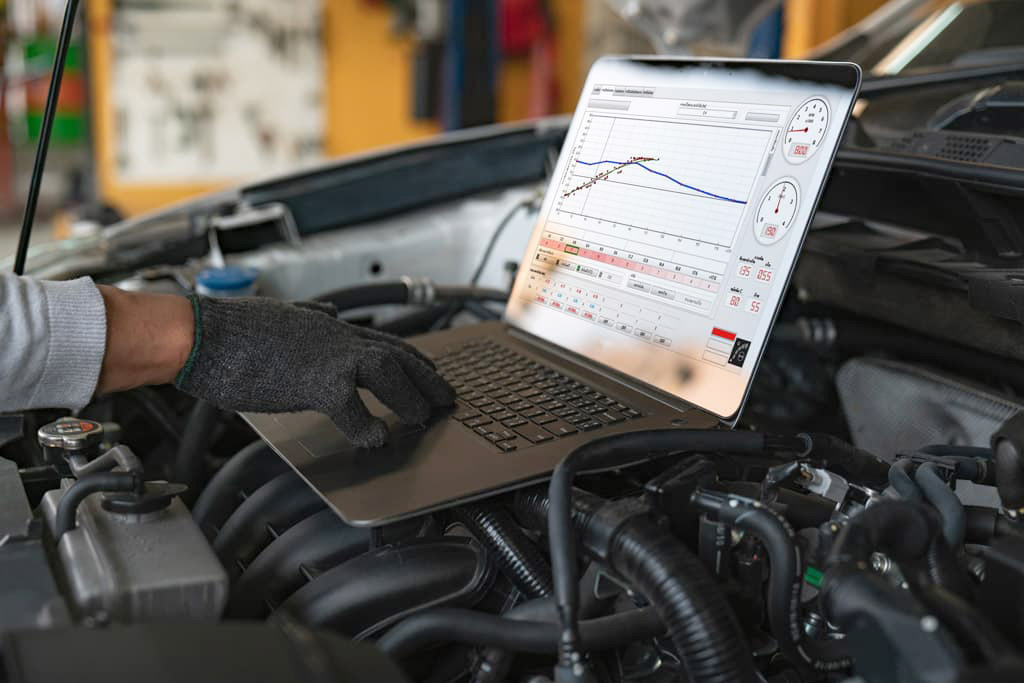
268	356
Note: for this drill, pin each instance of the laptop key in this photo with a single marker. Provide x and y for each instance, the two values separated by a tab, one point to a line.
502	416
507	446
478	421
590	426
630	413
534	434
532	412
482	431
560	428
506	435
544	419
514	422
493	436
608	418
564	412
464	414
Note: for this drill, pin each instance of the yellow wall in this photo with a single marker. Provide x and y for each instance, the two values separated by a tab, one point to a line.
368	90
811	22
128	198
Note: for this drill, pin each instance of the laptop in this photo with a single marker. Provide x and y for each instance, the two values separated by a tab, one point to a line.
665	243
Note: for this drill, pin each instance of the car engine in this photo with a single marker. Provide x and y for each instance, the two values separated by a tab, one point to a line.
850	529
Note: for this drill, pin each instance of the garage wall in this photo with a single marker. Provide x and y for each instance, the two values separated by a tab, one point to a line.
368	90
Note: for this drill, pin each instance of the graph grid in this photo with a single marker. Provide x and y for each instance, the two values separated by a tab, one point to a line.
686	180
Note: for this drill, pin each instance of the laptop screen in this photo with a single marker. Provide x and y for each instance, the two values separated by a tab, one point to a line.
675	216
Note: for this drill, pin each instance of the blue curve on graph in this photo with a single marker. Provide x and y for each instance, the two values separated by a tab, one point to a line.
663	175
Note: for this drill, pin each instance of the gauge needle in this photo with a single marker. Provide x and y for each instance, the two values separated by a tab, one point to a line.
800	130
781	195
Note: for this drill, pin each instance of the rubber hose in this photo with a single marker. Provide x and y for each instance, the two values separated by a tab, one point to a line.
943	499
447	625
785	579
190	460
494	664
315	544
965	622
275	507
516	554
801	510
362	296
620	450
831	452
690	596
707	636
457	293
419	321
246	471
901	481
158	411
370	593
385	293
950	451
984	524
909	533
870	609
98	482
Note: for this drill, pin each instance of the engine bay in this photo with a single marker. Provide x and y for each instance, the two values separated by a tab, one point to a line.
863	521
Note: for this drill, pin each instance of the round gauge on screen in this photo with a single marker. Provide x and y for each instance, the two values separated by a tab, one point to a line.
776	211
806	130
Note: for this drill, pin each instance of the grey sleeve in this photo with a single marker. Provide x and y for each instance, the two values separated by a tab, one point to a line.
52	339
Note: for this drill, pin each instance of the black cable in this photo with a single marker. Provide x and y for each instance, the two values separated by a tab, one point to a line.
99	482
45	130
493	241
617	451
539	637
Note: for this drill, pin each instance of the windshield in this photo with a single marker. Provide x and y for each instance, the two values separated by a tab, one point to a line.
960	34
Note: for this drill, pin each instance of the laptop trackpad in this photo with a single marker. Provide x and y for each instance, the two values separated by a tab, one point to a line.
321	437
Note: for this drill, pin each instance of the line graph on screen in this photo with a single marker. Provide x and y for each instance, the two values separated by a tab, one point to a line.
686	180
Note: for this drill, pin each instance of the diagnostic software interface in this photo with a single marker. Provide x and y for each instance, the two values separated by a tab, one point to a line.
678	207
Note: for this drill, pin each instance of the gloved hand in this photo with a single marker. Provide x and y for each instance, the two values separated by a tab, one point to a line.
268	356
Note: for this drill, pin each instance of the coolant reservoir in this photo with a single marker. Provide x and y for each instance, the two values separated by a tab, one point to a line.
148	565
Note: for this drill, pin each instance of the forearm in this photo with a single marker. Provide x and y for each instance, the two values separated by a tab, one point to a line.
52	341
149	338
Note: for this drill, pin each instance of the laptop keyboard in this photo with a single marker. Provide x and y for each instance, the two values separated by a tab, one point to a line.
515	402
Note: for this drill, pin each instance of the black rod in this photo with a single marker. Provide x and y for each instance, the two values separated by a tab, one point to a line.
63	41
